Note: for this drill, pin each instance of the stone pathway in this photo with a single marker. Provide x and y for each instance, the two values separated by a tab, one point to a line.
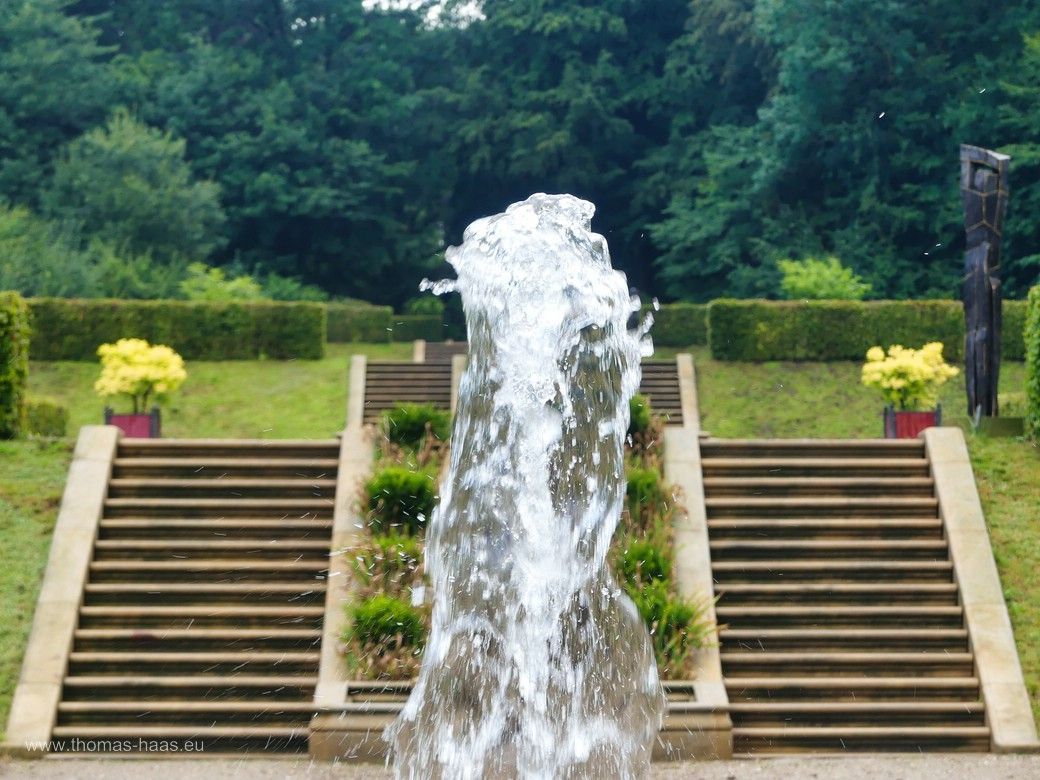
868	767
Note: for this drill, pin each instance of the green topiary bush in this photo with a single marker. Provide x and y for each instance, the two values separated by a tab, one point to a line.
72	329
640	414
645	496
14	363
389	563
400	500
350	321
406	424
46	417
642	562
388	622
1032	349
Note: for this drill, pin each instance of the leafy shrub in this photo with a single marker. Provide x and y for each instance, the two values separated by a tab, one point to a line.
287	288
388	622
820	279
72	329
645	496
680	325
1012	404
640	414
908	378
399	499
642	562
388	563
406	424
677	626
46	417
1032	345
425	304
353	321
829	330
14	363
204	283
409	327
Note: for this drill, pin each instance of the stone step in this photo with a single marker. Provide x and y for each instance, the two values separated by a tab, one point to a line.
857	689
170	640
846	664
840	593
223	468
816	528
115	714
222	488
789	550
291	509
207	571
193	549
911	739
813	448
895	571
205	593
886	616
817	640
298	449
162	687
815	467
821	507
201	616
795	487
216	528
289	663
857	713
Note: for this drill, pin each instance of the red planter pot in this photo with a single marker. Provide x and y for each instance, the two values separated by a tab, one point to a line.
136	426
907	425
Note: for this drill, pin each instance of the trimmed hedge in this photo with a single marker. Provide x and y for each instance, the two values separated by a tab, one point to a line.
1032	347
409	327
72	329
756	330
359	322
46	417
14	363
680	325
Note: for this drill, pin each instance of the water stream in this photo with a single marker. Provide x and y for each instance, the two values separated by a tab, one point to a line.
538	665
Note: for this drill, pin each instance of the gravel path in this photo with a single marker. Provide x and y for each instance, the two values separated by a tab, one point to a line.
869	767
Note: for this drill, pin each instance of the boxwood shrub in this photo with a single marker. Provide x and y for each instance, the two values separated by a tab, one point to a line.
680	325
72	329
359	322
14	363
388	622
46	417
756	330
405	424
409	327
400	500
1032	348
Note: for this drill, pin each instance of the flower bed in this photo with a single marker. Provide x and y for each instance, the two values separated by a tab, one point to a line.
389	618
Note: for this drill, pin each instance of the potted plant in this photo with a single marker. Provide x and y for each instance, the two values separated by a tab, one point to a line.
143	372
909	381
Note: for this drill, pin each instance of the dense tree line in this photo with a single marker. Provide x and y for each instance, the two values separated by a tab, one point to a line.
344	143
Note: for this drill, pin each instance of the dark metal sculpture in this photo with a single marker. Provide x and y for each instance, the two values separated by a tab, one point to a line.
984	190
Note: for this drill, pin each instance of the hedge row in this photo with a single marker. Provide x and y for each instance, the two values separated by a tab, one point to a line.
1032	348
409	327
680	325
14	363
756	330
359	322
72	329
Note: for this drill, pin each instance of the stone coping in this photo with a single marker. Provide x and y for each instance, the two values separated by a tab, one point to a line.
38	691
1008	708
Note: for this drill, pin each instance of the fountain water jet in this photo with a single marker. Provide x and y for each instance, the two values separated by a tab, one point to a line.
538	665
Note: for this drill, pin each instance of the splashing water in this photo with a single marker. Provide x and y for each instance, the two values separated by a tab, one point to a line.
537	664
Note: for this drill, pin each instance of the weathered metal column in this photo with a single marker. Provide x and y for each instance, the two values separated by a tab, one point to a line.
984	190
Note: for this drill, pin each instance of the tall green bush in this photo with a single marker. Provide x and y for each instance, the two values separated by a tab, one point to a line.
819	279
1032	346
72	329
14	363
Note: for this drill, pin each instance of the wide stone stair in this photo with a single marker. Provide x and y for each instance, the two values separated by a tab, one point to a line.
842	626
202	614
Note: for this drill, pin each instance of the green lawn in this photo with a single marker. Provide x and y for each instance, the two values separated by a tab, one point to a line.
308	399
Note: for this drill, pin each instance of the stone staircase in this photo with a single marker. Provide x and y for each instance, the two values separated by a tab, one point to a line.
842	625
203	607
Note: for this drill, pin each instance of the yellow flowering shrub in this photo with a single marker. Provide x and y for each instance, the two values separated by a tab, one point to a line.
140	370
908	379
